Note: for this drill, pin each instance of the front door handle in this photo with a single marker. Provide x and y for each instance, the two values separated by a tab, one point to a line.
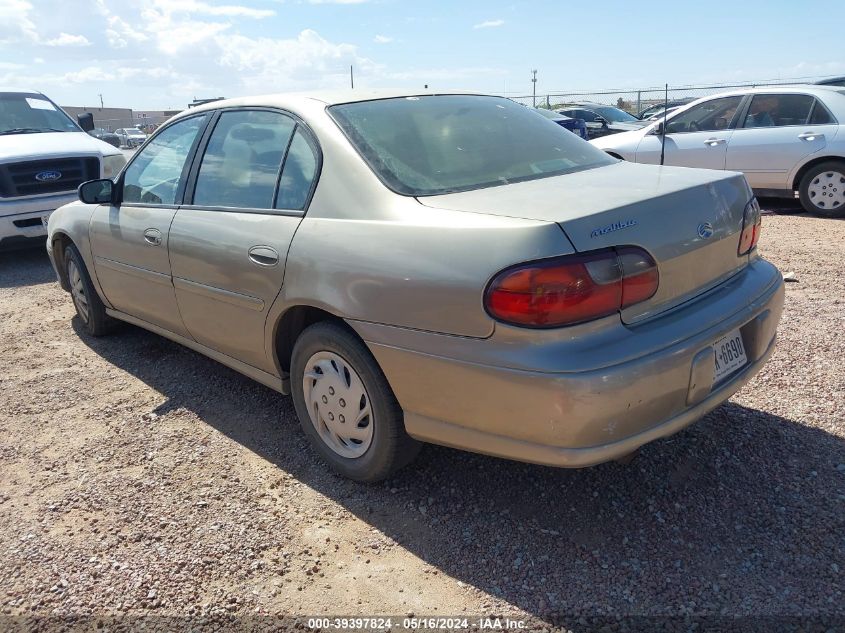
713	142
811	136
153	237
263	256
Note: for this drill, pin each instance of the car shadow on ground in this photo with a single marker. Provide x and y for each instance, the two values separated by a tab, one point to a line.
729	513
25	267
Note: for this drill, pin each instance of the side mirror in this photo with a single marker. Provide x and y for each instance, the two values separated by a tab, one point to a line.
86	121
96	191
658	129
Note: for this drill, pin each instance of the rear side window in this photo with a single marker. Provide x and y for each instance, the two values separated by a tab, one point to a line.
820	115
298	174
778	110
437	144
155	174
241	164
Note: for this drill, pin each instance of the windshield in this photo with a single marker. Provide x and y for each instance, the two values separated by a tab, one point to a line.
422	146
27	113
132	131
615	115
551	114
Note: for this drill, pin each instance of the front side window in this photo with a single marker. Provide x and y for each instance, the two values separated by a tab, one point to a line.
156	173
430	145
240	167
710	116
773	110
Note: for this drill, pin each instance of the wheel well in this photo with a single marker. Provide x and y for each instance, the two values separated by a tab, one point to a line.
292	324
60	243
825	159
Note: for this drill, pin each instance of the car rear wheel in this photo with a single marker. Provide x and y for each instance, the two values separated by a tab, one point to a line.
89	307
822	189
346	407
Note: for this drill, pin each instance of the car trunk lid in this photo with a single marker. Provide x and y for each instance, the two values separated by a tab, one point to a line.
688	219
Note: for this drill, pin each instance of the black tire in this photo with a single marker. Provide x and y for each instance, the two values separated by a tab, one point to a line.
93	316
832	206
391	447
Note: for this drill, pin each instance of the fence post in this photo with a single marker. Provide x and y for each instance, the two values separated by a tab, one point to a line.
639	99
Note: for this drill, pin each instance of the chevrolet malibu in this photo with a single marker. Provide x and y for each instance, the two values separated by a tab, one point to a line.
445	268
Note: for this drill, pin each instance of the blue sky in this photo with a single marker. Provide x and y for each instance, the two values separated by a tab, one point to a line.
149	54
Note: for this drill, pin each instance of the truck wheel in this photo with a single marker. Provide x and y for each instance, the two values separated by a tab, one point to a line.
346	407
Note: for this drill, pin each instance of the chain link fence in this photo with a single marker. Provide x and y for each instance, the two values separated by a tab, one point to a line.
637	100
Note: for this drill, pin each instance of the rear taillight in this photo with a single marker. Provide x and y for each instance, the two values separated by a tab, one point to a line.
752	222
572	289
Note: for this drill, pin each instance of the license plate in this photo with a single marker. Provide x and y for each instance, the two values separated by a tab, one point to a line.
730	355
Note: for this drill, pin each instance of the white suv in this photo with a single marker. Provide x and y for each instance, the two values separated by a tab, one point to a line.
44	157
788	141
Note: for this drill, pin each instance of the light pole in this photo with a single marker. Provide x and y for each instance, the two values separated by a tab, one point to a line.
534	82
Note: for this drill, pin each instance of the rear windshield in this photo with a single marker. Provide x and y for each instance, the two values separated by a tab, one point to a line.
430	145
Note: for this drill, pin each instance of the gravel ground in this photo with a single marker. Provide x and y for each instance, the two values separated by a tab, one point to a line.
141	478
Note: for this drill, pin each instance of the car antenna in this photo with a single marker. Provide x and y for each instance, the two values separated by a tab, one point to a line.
663	136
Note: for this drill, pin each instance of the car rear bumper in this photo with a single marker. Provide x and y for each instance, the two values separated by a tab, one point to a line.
24	218
576	418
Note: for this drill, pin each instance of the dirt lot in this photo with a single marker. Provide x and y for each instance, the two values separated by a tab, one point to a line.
139	477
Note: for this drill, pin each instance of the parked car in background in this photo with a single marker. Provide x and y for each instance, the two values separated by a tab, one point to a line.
539	300
833	81
602	120
657	108
576	126
788	141
104	135
44	156
130	136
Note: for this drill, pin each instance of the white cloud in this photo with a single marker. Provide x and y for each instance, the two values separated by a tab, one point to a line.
66	39
15	23
488	24
382	39
204	8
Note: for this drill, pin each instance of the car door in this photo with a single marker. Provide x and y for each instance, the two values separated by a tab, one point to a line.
697	137
229	243
129	240
777	132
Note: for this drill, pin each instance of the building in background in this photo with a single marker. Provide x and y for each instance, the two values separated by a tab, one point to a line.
107	118
149	120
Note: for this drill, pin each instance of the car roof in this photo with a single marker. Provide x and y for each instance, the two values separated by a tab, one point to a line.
28	91
328	97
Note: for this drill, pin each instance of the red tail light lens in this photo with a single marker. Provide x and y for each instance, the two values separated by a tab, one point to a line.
572	289
752	222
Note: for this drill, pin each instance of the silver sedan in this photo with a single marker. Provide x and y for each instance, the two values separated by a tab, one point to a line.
789	141
443	268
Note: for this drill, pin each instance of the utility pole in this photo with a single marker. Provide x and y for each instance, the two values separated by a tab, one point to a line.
101	100
351	77
534	81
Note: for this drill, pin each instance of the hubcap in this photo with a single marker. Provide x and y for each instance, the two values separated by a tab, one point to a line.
77	291
827	191
338	404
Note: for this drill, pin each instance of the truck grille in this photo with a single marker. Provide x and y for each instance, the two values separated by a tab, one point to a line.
35	177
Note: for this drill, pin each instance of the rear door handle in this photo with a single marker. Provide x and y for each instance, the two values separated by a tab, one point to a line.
713	142
811	136
153	237
263	256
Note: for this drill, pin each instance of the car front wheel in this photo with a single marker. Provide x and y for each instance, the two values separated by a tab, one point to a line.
89	307
822	189
345	405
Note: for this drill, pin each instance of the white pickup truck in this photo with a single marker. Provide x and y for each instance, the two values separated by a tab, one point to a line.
44	156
